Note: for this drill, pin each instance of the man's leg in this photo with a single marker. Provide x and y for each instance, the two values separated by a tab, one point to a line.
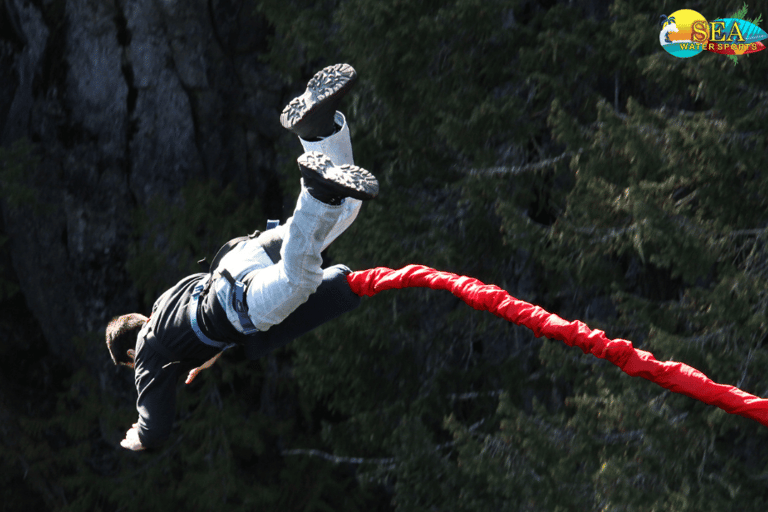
332	188
313	117
337	146
276	291
332	298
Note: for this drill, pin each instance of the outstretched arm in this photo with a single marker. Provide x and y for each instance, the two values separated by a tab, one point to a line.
156	379
195	371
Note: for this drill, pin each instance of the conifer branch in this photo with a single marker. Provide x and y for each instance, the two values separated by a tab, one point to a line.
474	394
632	436
384	461
336	459
520	169
606	234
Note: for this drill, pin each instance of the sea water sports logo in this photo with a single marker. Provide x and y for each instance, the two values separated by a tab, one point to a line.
686	33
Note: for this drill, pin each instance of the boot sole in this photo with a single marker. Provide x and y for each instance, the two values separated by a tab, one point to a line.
346	180
323	93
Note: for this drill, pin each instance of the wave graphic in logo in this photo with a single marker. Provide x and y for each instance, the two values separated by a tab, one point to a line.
676	35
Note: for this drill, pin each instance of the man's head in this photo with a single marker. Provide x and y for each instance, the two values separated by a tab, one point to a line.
122	332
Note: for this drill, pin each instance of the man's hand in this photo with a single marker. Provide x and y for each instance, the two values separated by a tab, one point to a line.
132	441
193	373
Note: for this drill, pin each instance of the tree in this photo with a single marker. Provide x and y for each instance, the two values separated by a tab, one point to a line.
627	185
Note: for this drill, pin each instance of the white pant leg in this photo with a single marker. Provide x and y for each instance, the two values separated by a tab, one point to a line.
276	291
338	147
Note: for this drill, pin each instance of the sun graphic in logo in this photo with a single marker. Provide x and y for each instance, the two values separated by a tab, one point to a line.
678	36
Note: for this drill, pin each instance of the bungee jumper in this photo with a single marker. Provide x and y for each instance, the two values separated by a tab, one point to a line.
266	289
263	290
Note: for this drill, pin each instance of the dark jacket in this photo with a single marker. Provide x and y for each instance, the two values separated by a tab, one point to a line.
167	348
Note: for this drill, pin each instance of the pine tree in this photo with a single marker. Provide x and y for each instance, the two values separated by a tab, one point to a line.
628	188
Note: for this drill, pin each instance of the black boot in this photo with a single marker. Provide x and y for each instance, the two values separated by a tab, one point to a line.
329	183
310	115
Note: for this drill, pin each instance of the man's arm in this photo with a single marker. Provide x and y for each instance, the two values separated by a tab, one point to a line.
195	371
156	379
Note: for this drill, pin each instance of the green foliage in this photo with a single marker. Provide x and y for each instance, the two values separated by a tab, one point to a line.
176	236
16	164
221	454
648	223
741	14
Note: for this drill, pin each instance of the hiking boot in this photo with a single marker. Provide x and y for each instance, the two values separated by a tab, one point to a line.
310	115
330	183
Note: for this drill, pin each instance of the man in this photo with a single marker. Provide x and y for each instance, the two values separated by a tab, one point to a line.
264	290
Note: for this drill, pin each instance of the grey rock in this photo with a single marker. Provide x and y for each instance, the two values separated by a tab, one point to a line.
125	103
34	33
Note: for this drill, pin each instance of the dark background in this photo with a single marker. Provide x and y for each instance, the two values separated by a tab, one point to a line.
551	148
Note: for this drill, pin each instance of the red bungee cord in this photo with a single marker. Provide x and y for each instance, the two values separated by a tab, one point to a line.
674	376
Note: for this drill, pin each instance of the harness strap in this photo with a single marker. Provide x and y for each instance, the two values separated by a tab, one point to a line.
194	305
239	302
271	242
224	249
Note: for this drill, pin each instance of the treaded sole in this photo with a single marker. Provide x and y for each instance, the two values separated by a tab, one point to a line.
346	180
316	107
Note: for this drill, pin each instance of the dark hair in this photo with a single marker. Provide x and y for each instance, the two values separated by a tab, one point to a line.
122	332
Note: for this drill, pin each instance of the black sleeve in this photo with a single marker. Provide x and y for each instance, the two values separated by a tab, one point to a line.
156	384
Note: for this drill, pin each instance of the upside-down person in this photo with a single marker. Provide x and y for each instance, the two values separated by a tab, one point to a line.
262	291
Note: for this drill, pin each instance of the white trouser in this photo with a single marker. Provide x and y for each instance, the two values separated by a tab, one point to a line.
338	147
276	290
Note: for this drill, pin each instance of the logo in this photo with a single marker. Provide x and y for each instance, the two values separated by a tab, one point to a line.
686	33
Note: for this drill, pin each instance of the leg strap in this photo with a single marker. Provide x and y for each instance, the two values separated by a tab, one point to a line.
194	306
239	302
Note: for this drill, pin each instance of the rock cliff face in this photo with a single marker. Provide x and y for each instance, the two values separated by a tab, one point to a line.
123	101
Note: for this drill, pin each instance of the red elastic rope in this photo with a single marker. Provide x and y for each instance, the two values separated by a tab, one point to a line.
674	376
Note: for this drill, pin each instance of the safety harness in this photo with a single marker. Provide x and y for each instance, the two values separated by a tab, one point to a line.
271	243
